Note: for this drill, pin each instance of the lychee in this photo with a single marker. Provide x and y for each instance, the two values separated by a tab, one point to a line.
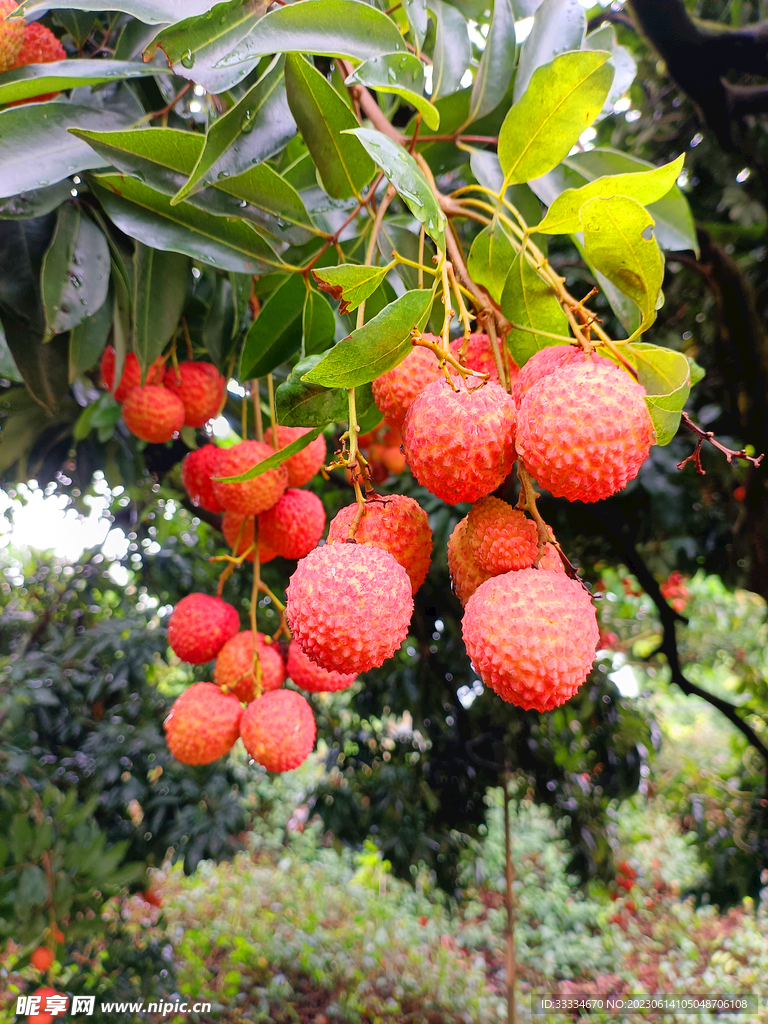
460	444
11	35
235	669
466	575
200	387
199	627
551	560
532	637
548	360
307	675
39	46
153	414
203	724
395	390
279	730
196	471
500	537
349	606
43	1016
584	431
253	496
302	466
395	523
238	533
131	376
42	958
293	526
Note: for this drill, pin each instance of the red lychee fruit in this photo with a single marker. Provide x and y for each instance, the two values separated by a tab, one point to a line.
394	523
584	431
199	627
460	444
131	377
234	668
466	575
253	496
381	448
547	361
200	387
310	676
349	606
11	35
42	958
153	414
551	560
203	724
395	390
196	471
302	466
238	533
43	1016
153	898
279	730
531	636
39	46
293	526
500	537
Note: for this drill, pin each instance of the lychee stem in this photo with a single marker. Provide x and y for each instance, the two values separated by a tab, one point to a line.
447	357
422	238
256	662
190	353
272	410
527	502
256	396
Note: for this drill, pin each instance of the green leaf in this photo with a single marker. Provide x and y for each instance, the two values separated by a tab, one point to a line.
407	178
401	74
332	28
36	79
32	890
263	188
349	284
528	301
418	20
160	288
645	187
257	127
79	25
562	101
497	64
452	50
301	404
665	375
322	117
619	242
318	323
627	312
490	258
275	334
148	216
558	26
75	272
35	203
697	372
274	460
87	340
375	347
622	61
151	12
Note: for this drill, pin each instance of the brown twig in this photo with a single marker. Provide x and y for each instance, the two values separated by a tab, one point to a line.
709	437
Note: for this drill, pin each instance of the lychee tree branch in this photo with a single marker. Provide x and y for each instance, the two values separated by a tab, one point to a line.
709	437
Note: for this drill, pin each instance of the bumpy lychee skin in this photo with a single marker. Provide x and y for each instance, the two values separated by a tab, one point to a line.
43	1017
254	496
131	377
39	46
349	606
11	35
551	560
394	523
500	537
200	387
196	472
395	390
466	575
234	668
203	724
293	526
279	730
238	533
532	637
199	627
302	466
311	677
460	444
584	431
549	360
153	414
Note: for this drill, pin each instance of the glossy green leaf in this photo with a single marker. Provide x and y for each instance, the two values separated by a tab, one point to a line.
160	288
258	126
626	311
558	26
35	203
151	12
407	178
418	20
562	101
318	323
349	283
665	375
148	216
301	404
88	338
275	334
332	28
275	460
619	242
401	74
497	64
622	61
528	301
375	347
75	272
452	50
322	117
645	187
263	188
37	79
490	259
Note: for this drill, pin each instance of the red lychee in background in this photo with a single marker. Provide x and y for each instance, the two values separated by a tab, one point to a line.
199	627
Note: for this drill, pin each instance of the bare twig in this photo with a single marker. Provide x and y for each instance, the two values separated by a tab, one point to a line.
709	437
